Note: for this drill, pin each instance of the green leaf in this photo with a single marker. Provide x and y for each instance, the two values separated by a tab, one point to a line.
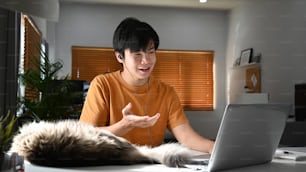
6	130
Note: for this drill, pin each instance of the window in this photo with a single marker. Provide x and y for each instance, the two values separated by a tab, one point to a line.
30	50
189	72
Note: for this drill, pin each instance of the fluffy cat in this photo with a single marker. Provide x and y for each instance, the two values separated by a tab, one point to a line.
72	143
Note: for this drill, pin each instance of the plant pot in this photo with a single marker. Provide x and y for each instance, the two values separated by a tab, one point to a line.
1	159
10	162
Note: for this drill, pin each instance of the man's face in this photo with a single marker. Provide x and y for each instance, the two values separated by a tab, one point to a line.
139	65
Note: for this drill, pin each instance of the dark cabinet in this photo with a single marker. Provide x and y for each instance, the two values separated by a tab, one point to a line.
300	102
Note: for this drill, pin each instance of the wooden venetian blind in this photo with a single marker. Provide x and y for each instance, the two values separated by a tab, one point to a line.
32	43
189	72
88	62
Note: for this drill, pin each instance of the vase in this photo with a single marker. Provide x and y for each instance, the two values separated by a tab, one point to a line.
11	162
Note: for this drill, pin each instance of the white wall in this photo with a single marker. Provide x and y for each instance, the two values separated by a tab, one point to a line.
277	30
184	29
41	23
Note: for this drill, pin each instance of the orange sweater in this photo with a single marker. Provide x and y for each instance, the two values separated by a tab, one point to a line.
109	94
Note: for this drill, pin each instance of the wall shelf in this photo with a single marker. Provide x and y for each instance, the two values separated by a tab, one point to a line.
246	66
244	76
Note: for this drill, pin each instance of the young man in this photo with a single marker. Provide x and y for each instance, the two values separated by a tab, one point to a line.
133	104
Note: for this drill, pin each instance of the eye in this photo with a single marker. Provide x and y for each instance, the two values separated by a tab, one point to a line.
137	55
151	51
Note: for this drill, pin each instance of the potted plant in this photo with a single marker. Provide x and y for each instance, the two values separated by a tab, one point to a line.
8	162
56	98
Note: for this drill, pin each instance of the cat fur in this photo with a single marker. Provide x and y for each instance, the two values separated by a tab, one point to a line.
70	143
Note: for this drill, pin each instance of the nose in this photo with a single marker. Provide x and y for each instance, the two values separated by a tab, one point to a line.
145	58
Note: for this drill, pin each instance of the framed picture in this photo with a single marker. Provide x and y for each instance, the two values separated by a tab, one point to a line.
245	56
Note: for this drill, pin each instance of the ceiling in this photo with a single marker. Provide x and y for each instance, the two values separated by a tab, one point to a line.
210	4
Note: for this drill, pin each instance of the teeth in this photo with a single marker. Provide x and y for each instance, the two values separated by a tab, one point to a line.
145	69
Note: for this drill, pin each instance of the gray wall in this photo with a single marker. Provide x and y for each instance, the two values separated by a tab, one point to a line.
184	29
277	30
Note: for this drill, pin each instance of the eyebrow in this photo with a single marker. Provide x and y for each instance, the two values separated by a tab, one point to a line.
152	46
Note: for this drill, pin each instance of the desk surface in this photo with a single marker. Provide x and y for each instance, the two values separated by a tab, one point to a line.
276	165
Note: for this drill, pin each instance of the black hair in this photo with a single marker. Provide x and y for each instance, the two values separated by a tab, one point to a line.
134	35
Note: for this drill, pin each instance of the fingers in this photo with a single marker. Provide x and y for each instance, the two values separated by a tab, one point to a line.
146	121
127	109
138	121
153	119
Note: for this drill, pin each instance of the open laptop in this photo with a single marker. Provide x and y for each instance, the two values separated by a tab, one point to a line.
248	135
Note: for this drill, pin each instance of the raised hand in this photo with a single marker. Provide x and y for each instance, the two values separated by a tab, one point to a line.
132	120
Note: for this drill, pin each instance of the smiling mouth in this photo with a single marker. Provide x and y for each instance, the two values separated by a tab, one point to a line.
145	69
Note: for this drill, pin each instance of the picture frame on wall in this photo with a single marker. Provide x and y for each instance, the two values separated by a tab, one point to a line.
245	56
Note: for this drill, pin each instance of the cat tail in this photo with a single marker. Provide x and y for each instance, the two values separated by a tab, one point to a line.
170	154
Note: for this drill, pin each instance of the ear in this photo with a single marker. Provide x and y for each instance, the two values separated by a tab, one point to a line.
119	57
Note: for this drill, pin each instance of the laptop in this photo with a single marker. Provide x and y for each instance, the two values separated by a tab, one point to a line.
248	135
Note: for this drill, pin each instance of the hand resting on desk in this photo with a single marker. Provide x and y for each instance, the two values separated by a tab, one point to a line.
72	143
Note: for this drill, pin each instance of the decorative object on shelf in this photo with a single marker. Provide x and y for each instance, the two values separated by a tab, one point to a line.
237	62
256	58
253	80
245	56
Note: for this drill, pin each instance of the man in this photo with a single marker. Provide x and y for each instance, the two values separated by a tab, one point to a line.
133	104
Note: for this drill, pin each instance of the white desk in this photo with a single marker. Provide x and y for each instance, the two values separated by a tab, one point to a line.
277	165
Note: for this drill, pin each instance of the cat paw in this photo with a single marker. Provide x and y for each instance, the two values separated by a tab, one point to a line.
181	160
176	160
